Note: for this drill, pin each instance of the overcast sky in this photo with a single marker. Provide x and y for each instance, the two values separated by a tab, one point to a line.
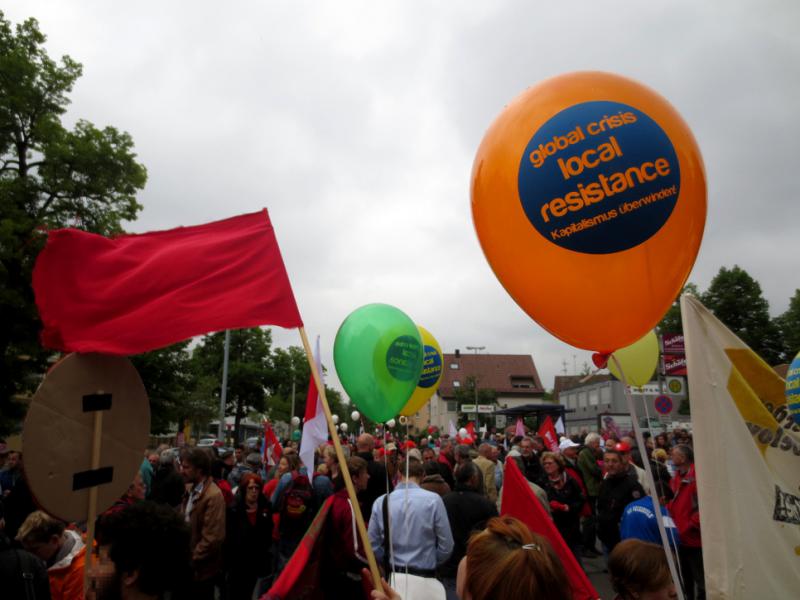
356	124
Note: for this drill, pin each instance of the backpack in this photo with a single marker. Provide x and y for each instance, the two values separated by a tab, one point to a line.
297	499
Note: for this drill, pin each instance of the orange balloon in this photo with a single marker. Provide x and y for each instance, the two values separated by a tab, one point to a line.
589	200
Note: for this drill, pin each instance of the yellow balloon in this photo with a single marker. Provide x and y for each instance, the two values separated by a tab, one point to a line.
431	375
638	361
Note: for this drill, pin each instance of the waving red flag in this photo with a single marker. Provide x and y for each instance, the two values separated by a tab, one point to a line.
520	502
548	433
135	293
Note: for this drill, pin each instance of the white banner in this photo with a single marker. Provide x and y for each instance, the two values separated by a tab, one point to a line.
747	457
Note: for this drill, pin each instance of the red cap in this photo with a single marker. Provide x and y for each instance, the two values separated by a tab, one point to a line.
622	447
410	444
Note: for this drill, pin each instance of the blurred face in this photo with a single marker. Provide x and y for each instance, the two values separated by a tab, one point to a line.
283	466
594	445
678	459
495	453
137	489
189	472
360	481
252	491
668	593
613	464
13	460
571	452
238	455
428	455
153	460
461	580
105	583
44	550
526	448
550	467
538	445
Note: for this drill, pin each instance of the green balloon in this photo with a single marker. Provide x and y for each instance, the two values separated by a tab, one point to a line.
378	357
296	435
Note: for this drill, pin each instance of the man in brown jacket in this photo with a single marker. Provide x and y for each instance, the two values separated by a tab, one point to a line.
204	509
485	463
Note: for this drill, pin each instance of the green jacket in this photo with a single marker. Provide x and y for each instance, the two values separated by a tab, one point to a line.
592	475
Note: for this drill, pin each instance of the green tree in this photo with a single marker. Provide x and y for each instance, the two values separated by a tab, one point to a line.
50	176
290	365
249	369
170	382
672	323
789	325
735	298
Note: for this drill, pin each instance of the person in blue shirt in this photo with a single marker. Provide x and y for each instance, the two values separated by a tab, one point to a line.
639	522
420	533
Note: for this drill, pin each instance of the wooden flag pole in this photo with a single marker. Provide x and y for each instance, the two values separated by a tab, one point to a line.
345	472
96	442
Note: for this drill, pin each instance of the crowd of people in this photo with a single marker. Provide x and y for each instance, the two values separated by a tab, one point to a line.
199	523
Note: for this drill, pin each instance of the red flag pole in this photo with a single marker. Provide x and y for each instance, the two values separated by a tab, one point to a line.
345	472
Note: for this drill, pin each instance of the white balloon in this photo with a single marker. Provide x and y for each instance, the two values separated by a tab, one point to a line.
295	421
337	427
355	415
343	426
463	432
335	418
390	423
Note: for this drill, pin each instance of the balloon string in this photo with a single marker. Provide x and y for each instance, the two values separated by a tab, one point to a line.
651	481
388	512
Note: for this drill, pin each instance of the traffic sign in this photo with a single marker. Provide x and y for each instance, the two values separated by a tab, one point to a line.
663	404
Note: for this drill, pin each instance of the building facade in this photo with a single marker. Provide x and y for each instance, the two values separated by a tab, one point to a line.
600	402
485	381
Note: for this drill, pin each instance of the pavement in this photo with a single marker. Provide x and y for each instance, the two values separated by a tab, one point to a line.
596	570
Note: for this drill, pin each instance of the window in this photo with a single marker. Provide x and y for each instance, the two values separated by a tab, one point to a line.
456	383
594	397
605	395
582	399
452	406
454	365
522	382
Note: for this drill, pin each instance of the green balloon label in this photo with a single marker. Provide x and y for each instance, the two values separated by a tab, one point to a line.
402	358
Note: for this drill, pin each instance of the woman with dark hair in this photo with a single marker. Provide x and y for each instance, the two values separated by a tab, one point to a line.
639	571
566	500
248	538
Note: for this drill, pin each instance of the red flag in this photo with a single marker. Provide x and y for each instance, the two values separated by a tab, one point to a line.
520	502
272	450
548	433
300	578
135	293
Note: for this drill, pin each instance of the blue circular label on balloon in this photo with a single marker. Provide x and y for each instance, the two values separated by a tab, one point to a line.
599	177
431	368
402	358
793	389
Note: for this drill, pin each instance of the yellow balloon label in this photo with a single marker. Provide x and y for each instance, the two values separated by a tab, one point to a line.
599	177
431	367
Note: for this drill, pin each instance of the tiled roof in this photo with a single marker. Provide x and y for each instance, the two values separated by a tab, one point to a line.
494	372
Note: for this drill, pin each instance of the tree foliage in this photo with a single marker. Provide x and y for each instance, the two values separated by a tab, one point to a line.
789	325
249	368
50	176
672	323
735	298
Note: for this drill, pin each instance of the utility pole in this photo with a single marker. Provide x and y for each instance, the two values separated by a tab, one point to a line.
476	349
224	395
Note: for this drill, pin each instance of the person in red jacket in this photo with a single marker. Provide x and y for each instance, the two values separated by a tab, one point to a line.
343	554
686	514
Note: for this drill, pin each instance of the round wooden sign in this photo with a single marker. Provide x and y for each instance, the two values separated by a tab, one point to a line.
58	434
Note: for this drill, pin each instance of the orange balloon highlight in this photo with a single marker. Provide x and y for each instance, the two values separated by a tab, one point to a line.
589	201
